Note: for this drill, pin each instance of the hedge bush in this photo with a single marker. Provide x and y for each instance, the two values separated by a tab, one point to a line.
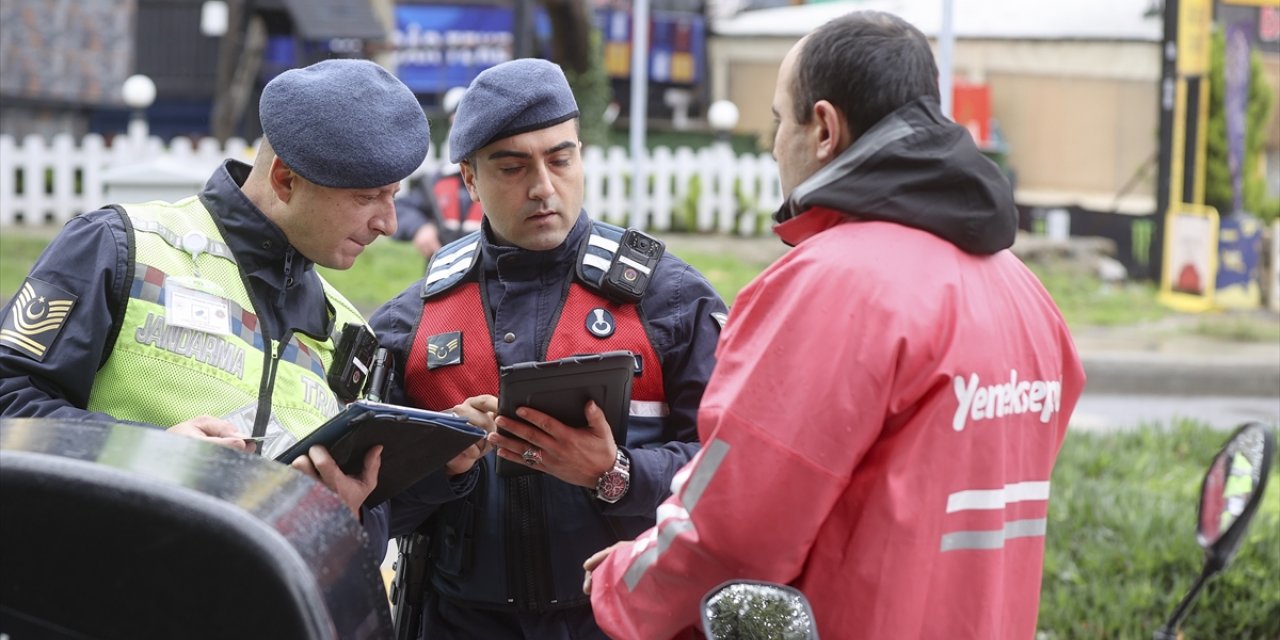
1121	547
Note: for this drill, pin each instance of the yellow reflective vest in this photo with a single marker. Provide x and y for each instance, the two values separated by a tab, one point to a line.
162	373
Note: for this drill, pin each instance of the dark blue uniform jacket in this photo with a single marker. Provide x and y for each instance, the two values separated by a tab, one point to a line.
477	563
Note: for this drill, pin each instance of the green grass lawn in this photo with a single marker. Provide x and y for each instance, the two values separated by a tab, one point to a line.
1239	329
1121	547
727	273
1086	301
384	270
19	248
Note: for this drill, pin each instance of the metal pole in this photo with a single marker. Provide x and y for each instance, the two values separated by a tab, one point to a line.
522	45
1168	91
946	44
1164	166
639	101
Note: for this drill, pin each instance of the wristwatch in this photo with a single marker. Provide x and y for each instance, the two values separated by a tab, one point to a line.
613	484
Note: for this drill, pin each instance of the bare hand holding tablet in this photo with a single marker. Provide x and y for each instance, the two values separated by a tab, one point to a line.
415	442
561	389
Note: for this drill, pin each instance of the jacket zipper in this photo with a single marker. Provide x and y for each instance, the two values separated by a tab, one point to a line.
271	361
528	569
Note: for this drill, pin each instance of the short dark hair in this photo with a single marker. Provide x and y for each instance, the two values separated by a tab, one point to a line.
867	64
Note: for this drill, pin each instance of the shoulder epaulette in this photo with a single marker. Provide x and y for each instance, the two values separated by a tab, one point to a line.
597	253
454	261
451	264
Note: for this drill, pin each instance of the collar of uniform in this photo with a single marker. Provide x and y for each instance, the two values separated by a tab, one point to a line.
808	223
261	247
513	263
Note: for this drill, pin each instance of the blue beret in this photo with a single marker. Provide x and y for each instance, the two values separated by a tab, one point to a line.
347	124
514	97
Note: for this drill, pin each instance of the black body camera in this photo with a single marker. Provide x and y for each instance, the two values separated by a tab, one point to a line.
632	267
351	361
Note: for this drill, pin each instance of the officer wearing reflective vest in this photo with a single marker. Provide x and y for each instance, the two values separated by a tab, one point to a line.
506	552
206	315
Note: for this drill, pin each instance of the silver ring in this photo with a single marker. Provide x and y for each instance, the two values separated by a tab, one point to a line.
532	456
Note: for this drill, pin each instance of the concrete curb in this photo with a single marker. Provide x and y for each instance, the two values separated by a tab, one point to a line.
1146	374
1175	357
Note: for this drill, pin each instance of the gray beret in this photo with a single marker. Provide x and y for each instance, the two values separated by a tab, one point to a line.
514	97
344	123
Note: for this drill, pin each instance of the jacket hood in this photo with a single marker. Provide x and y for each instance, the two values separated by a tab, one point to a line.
917	168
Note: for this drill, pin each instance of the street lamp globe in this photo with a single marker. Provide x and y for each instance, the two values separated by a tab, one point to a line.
139	91
451	99
722	115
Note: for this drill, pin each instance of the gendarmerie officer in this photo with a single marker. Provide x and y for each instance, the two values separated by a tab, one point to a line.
507	553
206	316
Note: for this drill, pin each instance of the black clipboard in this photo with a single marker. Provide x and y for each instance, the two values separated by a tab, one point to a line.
561	388
415	442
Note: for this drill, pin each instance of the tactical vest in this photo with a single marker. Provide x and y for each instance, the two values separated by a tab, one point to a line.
452	356
164	375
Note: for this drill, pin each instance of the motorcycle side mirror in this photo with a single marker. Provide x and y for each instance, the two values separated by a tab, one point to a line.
1231	492
750	610
1229	496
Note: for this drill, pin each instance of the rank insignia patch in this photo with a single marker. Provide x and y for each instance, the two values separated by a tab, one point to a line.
35	318
444	349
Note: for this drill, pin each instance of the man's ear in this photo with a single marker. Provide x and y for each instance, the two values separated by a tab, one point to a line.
284	182
469	179
833	132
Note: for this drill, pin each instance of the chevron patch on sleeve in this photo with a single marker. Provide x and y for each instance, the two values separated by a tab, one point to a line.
35	318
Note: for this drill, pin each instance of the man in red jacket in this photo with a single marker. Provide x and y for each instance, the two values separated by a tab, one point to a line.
889	397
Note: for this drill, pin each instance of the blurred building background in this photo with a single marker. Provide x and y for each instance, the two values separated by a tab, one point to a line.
1064	94
60	61
1071	89
63	62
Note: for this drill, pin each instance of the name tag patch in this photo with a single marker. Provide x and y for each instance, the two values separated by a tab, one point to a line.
194	309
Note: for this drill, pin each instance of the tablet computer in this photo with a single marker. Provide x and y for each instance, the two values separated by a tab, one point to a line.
561	389
415	442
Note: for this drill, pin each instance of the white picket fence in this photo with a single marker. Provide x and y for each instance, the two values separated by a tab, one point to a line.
708	189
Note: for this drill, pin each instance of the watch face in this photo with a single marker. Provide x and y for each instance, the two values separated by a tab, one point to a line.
612	486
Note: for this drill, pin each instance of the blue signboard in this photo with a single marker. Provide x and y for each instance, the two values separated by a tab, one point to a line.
439	47
676	46
1239	248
